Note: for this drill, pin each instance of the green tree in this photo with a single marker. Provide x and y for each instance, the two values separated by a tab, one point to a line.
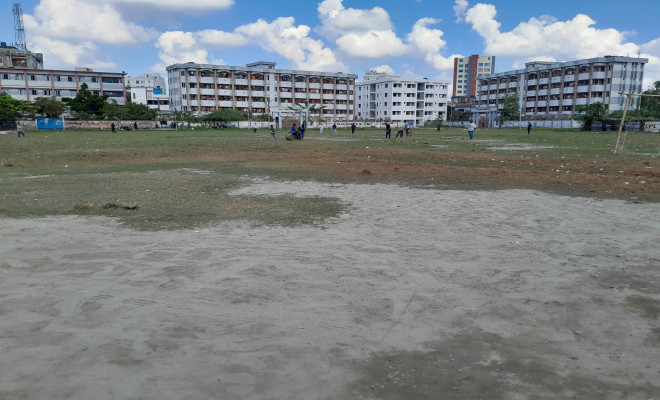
87	105
128	111
225	116
49	107
11	109
650	106
510	108
589	113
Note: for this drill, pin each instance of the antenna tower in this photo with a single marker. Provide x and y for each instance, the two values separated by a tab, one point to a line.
18	27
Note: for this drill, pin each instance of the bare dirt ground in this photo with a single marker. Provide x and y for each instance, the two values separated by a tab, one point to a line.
411	294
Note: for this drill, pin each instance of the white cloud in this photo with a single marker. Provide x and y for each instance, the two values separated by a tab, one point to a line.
72	20
575	38
460	7
338	20
386	69
280	36
547	37
372	44
64	54
180	5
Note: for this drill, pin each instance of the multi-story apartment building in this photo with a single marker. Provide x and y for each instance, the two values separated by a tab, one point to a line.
390	97
150	90
552	90
466	70
11	57
153	81
261	89
29	84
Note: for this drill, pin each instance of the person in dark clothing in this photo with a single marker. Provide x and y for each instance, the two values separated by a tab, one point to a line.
334	128
529	128
135	127
388	131
112	125
399	133
353	127
408	130
272	132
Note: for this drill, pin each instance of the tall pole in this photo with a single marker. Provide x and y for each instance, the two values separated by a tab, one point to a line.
623	119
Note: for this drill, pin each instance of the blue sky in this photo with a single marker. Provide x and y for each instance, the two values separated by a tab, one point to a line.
416	38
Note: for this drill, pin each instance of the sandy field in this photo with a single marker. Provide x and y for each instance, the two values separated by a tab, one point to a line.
411	294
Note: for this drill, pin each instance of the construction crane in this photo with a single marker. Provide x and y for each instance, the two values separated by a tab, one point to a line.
19	29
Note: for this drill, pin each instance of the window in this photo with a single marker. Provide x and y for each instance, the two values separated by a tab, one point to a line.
5	76
70	78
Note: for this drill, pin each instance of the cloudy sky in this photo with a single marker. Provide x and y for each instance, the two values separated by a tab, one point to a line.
416	38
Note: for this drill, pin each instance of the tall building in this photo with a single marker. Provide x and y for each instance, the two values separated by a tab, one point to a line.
262	89
29	84
390	97
150	90
552	90
466	70
11	57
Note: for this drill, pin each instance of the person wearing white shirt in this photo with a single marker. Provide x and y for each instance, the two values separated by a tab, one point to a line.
471	127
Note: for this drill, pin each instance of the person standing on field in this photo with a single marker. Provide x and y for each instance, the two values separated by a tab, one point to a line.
19	129
321	129
471	127
255	127
353	127
388	131
334	128
112	125
272	132
529	127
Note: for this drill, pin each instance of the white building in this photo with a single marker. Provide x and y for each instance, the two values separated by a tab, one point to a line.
149	89
466	70
261	89
553	90
30	84
392	98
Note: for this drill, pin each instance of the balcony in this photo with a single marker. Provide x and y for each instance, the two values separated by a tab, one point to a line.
555	79
512	84
555	91
341	107
532	82
286	95
341	97
567	102
258	93
529	104
314	95
553	103
599	75
583	76
225	104
569	78
542	103
240	81
328	86
256	82
301	95
342	87
208	103
224	81
206	80
542	92
583	89
301	85
597	88
258	104
225	92
208	92
531	92
285	84
314	85
242	104
241	93
581	102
